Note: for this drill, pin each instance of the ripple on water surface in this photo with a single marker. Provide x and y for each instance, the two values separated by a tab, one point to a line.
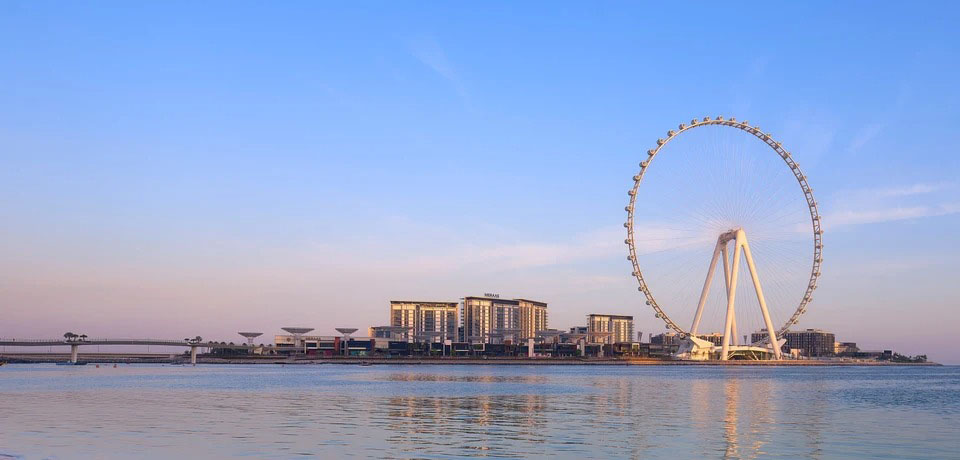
477	411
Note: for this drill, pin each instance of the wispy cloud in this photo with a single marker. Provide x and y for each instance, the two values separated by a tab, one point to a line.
887	204
915	189
591	245
454	255
864	136
431	54
810	133
875	216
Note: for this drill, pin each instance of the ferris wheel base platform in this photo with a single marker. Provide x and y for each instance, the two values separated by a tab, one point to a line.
696	349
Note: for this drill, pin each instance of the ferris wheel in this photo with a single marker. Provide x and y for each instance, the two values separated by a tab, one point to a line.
723	187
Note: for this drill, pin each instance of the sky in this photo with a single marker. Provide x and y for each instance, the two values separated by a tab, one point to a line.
171	169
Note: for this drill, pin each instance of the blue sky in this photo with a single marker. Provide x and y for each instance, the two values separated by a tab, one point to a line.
176	168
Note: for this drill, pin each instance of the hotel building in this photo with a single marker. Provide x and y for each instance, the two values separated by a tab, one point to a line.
425	317
533	318
610	328
487	316
811	342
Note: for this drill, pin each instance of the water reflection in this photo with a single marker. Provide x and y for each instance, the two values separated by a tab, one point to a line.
419	377
460	411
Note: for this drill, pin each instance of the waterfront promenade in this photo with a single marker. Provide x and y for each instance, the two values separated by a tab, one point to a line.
168	358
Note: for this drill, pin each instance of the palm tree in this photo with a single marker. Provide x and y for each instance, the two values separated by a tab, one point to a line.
83	337
69	336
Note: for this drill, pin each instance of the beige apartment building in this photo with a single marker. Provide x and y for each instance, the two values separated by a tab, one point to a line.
488	318
610	328
425	317
533	318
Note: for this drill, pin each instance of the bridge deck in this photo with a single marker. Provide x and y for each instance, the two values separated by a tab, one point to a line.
159	342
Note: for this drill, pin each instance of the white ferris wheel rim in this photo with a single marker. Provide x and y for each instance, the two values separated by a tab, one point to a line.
787	159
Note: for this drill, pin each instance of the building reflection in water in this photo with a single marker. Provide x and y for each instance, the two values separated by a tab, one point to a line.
475	411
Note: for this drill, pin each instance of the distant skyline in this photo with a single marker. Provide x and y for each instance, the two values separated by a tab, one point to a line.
173	168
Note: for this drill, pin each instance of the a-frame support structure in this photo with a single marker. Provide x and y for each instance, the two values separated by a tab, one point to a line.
731	269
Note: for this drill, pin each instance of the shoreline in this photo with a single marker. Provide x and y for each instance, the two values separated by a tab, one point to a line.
378	361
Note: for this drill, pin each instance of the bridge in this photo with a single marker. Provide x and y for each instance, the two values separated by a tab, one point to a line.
75	344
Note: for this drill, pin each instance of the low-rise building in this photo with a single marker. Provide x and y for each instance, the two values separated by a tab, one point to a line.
666	338
389	333
715	338
610	328
845	348
423	318
810	342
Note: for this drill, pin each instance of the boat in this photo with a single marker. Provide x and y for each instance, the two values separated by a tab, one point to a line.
364	363
68	363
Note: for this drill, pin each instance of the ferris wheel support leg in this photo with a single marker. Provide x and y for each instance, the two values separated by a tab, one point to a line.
731	296
733	330
706	287
726	277
771	333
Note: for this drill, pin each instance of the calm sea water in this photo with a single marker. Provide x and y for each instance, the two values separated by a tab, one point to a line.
336	411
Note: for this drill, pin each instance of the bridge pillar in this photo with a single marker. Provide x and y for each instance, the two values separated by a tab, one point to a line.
74	351
193	355
530	350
